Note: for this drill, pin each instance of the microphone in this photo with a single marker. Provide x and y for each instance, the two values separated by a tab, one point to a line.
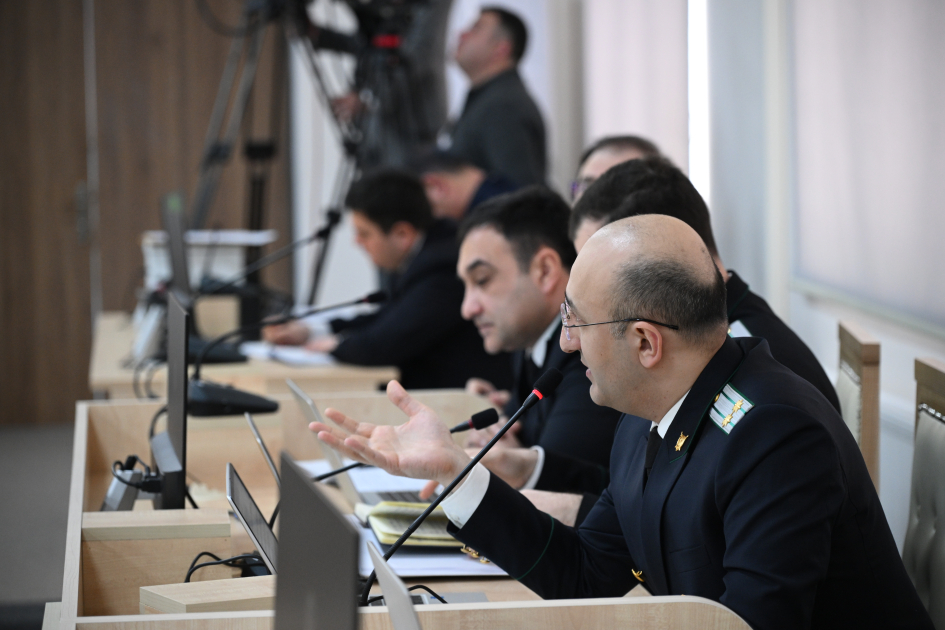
481	420
546	384
205	398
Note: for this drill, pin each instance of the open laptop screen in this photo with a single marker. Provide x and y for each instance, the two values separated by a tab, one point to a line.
252	519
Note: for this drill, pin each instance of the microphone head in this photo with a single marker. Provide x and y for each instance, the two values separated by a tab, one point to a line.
548	382
485	418
374	298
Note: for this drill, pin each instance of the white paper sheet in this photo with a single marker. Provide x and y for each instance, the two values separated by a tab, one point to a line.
291	355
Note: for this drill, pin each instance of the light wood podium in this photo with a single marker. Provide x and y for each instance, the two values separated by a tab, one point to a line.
110	557
114	337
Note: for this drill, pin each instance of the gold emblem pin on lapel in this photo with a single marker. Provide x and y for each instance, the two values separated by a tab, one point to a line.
682	440
637	574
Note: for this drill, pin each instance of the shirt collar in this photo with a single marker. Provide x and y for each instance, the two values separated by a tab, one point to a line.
663	426
539	351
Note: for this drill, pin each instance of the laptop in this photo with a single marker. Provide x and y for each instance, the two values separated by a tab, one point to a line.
318	583
397	598
345	484
246	510
262	447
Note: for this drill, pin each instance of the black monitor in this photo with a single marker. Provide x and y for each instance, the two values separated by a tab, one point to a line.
169	449
175	225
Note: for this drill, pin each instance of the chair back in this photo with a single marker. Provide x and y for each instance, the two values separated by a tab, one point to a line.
924	550
858	390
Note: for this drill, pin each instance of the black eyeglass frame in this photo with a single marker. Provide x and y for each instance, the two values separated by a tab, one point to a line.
566	316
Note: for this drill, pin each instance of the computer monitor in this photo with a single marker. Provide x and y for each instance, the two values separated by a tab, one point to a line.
169	449
175	225
318	558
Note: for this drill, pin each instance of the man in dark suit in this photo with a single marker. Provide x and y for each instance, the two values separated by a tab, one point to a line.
653	185
514	259
419	329
455	186
735	480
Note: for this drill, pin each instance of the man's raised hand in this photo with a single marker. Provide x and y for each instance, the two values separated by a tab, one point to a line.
421	448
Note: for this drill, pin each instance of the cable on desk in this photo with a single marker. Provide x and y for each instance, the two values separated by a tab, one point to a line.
429	590
149	376
154	420
190	499
234	562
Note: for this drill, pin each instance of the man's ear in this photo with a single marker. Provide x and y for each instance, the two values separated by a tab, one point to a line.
546	270
647	341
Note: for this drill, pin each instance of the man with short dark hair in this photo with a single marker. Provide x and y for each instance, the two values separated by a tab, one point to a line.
419	329
609	151
655	186
514	258
732	478
500	129
455	186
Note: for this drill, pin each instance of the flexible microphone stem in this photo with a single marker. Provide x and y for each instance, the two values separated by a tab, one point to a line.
373	298
337	471
548	382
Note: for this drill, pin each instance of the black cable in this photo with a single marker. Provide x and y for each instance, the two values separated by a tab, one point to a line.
429	590
272	519
230	562
134	380
154	420
149	376
117	464
190	499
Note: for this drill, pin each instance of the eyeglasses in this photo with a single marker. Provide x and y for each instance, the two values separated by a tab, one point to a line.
566	318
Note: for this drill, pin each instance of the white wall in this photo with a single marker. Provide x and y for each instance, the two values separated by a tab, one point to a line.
635	72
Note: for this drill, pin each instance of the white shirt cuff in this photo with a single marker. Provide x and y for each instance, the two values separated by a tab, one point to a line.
464	501
533	480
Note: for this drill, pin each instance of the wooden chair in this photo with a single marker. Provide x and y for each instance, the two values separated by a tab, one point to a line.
924	550
858	390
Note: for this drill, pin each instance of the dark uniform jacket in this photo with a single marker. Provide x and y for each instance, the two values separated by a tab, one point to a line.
501	130
777	519
567	423
420	329
757	317
754	313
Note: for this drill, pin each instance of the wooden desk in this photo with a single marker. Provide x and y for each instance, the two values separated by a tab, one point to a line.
114	337
98	599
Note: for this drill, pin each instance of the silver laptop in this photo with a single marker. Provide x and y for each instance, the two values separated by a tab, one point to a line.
396	596
318	583
262	447
251	518
345	484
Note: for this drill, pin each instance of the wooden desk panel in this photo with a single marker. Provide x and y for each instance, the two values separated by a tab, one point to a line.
114	338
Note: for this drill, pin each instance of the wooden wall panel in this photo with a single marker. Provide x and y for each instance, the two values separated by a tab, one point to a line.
159	66
45	328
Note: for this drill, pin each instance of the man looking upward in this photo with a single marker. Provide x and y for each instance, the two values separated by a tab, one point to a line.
737	481
500	129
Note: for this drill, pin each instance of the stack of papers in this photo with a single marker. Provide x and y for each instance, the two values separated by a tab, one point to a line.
290	355
390	519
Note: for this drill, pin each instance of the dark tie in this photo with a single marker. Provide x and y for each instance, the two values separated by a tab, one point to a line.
652	448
